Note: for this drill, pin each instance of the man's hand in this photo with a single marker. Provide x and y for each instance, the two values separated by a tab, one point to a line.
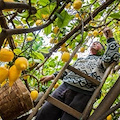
108	33
46	79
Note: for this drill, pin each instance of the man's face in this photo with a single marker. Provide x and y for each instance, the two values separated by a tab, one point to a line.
95	47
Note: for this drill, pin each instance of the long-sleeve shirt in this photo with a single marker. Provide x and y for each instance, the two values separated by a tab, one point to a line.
93	66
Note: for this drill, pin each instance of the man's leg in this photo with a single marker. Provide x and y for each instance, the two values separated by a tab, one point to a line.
79	103
49	111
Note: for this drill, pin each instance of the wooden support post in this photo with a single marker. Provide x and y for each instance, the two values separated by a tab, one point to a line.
109	111
52	85
109	99
89	106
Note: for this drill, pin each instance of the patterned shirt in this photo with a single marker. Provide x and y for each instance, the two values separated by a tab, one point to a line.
93	66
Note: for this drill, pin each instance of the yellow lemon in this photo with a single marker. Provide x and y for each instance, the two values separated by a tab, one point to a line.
29	38
77	15
89	34
38	22
75	56
63	49
3	83
6	55
65	56
70	46
3	74
56	29
26	77
19	26
95	33
13	75
31	64
45	16
82	49
109	117
63	45
21	63
119	6
101	33
68	5
77	4
16	44
56	85
34	94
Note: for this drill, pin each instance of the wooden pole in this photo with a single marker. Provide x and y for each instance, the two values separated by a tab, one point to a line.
109	99
89	106
52	85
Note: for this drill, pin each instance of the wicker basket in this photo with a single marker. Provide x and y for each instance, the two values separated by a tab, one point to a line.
14	101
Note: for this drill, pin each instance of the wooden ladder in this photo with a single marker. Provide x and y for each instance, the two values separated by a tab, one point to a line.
63	106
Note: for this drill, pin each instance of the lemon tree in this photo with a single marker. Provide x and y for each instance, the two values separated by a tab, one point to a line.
42	30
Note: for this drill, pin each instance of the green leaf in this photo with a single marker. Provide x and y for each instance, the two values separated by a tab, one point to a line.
63	19
44	2
115	15
24	14
17	51
33	1
44	50
48	29
38	55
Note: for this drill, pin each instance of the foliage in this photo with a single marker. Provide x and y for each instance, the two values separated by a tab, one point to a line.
45	57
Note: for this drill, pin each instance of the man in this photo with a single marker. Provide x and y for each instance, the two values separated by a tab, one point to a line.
76	90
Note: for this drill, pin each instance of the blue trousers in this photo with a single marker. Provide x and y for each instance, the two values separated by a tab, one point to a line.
72	98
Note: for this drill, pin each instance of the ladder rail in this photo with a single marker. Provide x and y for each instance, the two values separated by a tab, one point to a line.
92	100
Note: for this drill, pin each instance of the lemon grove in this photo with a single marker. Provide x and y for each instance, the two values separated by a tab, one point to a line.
30	39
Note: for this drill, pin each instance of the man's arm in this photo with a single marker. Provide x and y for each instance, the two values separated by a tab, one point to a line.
112	52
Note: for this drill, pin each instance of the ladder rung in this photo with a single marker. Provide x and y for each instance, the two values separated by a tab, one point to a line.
94	81
64	107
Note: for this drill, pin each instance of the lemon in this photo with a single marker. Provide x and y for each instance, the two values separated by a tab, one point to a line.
3	74
3	83
13	75
34	94
82	49
31	64
21	63
109	117
63	49
38	22
77	15
45	16
6	55
95	33
68	5
29	38
53	40
119	7
89	34
56	29
63	45
75	56
65	56
26	77
77	4
56	85
19	26
101	33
